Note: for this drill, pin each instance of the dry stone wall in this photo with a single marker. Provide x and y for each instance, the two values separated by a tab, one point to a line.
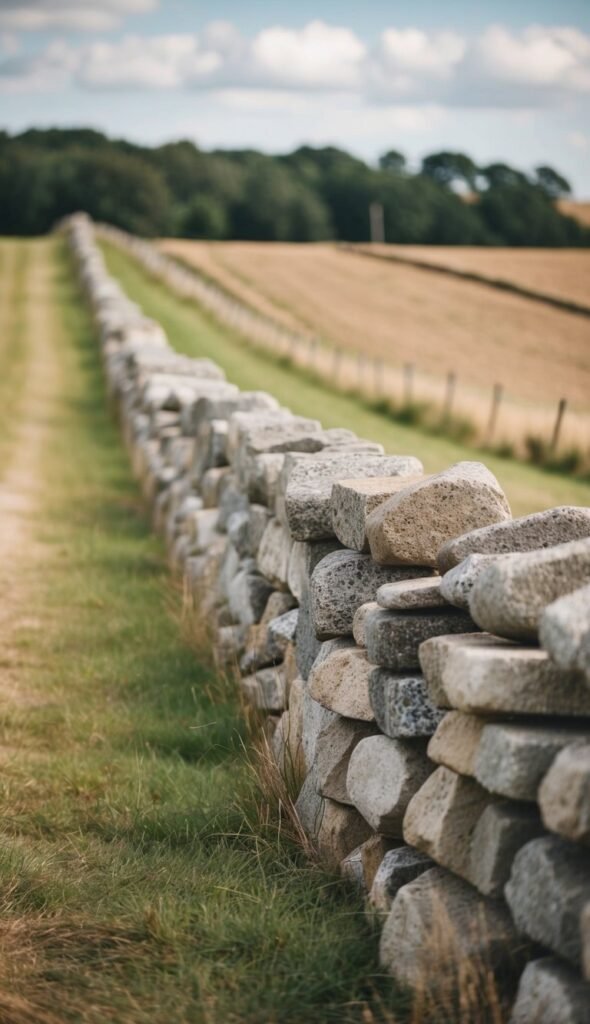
423	659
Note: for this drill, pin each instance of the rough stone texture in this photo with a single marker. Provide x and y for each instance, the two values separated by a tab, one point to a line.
302	561
342	582
548	887
585	937
248	593
398	867
433	655
273	554
435	923
314	718
393	638
339	680
258	433
549	992
351	869
441	818
457	583
306	485
335	743
512	592
262	477
411	527
373	850
353	500
512	759
527	533
341	830
265	689
411	595
309	806
564	630
456	741
383	775
360	620
401	704
210	485
511	679
564	794
498	836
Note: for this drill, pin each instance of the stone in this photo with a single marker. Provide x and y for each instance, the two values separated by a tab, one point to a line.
341	829
548	887
393	638
309	806
456	741
342	582
221	408
433	655
401	704
351	869
550	992
258	433
373	850
442	816
564	630
411	595
511	679
458	582
359	622
308	645
305	489
336	740
512	759
273	554
527	533
262	477
564	794
510	595
585	937
352	501
383	775
398	867
201	529
314	718
295	768
211	484
339	680
411	527
265	690
437	922
500	832
304	557
248	593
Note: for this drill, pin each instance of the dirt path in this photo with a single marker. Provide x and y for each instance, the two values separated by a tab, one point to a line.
22	481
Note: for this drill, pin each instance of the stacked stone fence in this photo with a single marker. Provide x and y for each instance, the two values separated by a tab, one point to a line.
423	659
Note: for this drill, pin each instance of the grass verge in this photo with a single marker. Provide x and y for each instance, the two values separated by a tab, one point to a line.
189	330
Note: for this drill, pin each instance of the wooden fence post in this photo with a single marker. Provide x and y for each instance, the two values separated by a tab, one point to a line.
558	422
493	420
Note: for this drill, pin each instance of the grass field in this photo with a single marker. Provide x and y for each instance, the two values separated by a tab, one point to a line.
529	489
139	882
403	314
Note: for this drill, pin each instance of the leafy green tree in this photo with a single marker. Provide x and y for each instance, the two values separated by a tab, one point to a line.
393	162
450	169
551	182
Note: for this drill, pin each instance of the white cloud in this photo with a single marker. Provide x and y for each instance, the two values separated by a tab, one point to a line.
579	140
318	56
539	56
158	62
85	15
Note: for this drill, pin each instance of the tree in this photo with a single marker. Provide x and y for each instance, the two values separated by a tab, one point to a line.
393	162
553	184
450	169
498	174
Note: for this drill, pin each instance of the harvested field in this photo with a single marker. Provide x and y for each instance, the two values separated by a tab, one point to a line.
402	314
579	210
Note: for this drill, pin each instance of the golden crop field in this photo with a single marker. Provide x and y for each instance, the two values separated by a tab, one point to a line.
403	314
577	209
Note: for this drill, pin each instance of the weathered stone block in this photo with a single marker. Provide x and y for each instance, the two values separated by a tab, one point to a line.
564	630
353	500
394	638
500	832
512	759
401	704
383	775
273	554
412	595
456	741
550	992
359	622
335	743
398	867
265	689
248	593
564	794
457	583
341	830
304	557
433	655
339	680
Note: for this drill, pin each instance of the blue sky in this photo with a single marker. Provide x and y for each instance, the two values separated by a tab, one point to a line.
503	80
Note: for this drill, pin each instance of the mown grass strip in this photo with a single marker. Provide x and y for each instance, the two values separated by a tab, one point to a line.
139	881
14	265
190	331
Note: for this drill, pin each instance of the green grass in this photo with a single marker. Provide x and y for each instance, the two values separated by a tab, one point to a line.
15	255
138	882
529	489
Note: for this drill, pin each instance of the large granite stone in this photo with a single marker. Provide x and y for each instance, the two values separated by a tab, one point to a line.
433	656
248	593
510	595
265	689
411	527
458	582
398	867
273	554
564	794
353	500
550	992
341	583
383	775
548	887
502	829
456	741
393	638
412	595
339	680
341	829
304	557
314	719
401	704
527	533
512	759
335	743
564	630
359	622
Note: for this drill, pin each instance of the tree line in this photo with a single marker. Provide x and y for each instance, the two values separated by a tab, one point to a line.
304	196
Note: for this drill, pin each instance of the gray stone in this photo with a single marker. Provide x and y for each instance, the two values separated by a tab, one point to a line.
457	583
512	759
550	992
393	638
221	408
359	622
456	741
564	630
498	836
302	561
308	646
548	887
305	488
411	527
265	690
231	499
401	704
398	867
257	433
585	937
564	794
341	829
383	775
442	816
246	529
248	593
351	869
339	680
309	806
315	718
510	595
511	679
342	582
273	554
433	656
262	478
438	922
211	484
335	743
353	500
373	850
282	630
412	595
527	533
